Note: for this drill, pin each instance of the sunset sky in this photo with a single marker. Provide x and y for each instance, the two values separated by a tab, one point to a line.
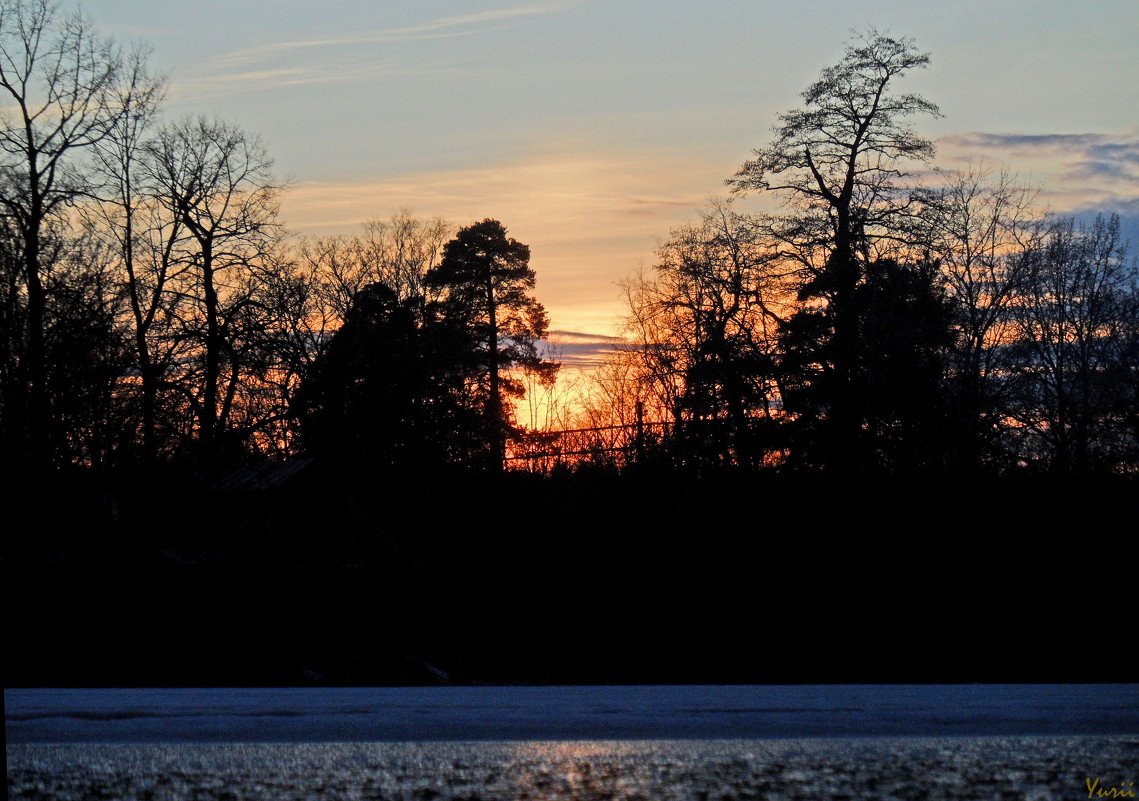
590	128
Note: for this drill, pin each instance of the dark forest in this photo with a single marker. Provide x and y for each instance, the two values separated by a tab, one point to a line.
884	429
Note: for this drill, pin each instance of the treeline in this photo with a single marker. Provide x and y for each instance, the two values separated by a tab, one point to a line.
888	316
154	310
166	346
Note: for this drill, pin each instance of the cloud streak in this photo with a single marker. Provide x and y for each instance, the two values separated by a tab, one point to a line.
576	350
442	27
325	58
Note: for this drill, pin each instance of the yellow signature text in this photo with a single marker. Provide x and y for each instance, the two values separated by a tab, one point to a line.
1124	790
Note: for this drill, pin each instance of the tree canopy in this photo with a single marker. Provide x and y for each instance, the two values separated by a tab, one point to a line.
389	390
839	162
881	315
486	283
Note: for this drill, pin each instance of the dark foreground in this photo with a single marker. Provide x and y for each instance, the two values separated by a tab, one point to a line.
595	577
1033	769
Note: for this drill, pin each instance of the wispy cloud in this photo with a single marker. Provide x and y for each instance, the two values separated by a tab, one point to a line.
577	350
1023	142
575	338
1082	174
1079	170
210	84
467	24
324	60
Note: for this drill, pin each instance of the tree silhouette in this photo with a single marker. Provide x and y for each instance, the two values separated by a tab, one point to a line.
216	185
839	162
905	329
128	217
388	391
63	87
702	329
980	228
1075	356
485	283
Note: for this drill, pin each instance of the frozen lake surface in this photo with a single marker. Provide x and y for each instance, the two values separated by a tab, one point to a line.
1035	769
1032	742
566	713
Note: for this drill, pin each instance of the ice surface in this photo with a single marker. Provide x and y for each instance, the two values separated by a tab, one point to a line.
1035	769
566	713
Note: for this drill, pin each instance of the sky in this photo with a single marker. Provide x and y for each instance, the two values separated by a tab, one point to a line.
590	128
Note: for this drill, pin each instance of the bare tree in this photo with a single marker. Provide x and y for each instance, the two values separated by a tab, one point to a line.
839	160
979	229
1076	316
59	79
703	327
840	165
216	185
397	252
128	216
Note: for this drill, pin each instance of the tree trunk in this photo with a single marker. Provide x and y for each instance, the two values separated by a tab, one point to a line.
213	347
495	407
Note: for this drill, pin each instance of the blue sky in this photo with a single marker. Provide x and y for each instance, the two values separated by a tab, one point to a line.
590	128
